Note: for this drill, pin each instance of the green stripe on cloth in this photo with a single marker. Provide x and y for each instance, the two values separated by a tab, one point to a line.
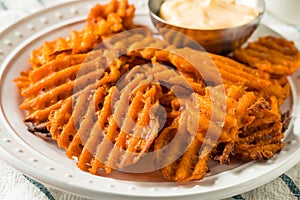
42	188
290	183
3	5
41	2
238	197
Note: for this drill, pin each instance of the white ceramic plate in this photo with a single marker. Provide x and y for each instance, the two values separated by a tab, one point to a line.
46	163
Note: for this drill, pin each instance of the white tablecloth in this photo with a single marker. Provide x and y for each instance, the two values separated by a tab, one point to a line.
16	186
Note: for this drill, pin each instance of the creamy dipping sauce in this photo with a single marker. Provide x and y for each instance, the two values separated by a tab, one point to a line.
206	14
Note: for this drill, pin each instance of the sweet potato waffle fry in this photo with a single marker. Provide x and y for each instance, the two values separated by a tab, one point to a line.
103	21
192	163
261	139
136	95
273	55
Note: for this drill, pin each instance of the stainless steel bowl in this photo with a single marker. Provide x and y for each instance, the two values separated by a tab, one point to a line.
220	41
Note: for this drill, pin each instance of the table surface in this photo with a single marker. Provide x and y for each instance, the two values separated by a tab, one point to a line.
15	185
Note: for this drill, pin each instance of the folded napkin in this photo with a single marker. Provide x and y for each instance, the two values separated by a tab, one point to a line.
16	186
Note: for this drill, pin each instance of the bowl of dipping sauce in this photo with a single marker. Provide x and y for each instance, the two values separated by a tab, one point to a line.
219	26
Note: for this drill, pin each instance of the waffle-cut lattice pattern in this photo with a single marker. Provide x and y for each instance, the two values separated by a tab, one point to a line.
192	163
103	21
232	72
275	56
120	138
126	142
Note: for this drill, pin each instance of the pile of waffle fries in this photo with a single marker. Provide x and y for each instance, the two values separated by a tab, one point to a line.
111	108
